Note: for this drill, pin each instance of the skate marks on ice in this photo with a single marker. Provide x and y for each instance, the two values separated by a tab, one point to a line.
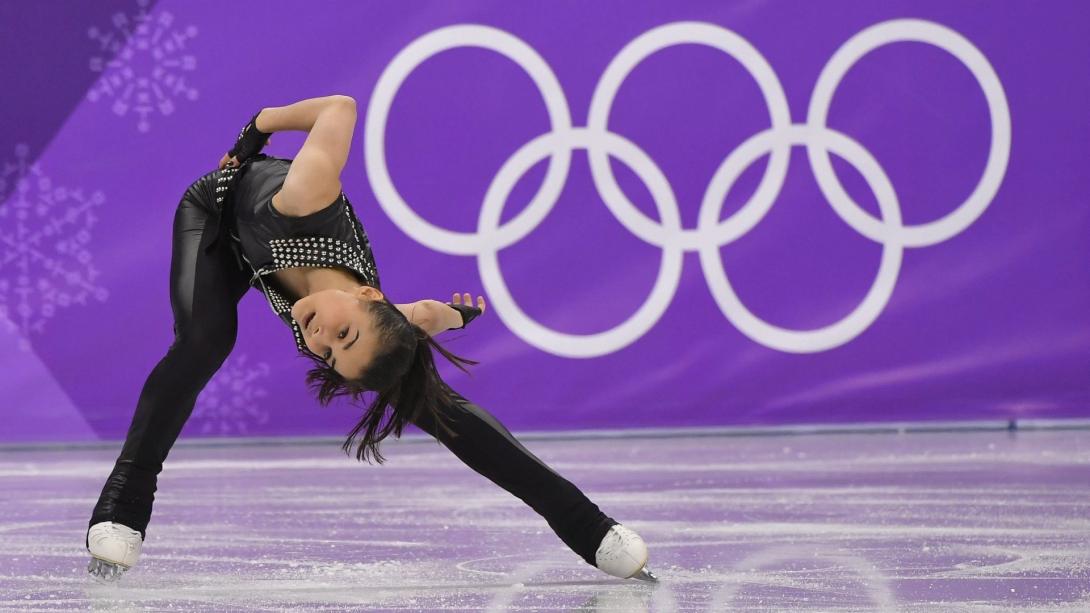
965	522
763	570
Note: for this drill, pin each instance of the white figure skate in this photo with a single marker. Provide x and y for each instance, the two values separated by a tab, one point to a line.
114	549
623	554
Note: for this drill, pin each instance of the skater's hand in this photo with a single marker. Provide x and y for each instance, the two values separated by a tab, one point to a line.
230	160
249	143
469	300
464	305
227	160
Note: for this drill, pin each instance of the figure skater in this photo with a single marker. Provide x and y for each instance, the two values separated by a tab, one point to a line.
285	227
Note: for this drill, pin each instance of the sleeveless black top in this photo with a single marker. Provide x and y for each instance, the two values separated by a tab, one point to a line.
265	241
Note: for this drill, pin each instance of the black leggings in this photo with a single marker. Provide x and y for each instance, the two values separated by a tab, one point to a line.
205	287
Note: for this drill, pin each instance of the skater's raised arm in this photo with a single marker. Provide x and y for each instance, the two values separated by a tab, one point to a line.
302	115
314	178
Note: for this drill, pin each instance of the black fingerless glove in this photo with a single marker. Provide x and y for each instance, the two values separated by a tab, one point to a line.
250	140
469	313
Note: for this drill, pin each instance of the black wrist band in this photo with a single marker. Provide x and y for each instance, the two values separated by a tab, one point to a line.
469	313
250	140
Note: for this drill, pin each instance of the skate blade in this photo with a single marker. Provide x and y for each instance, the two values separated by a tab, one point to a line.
645	575
104	571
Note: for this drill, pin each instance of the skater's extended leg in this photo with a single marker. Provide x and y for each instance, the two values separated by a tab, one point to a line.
486	446
205	287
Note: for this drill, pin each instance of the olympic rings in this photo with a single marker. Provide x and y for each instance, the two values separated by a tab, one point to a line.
710	234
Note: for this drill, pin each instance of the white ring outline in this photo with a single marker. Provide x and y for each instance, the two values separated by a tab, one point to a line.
653	41
912	30
378	110
842	331
669	275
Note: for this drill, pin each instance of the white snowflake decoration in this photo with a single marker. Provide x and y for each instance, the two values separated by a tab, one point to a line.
145	67
44	233
232	401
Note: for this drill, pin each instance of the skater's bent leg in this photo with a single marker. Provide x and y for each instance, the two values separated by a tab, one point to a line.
205	288
486	446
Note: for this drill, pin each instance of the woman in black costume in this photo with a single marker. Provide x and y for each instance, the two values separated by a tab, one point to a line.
285	227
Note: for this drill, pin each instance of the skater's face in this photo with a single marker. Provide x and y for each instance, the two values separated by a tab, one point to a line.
339	328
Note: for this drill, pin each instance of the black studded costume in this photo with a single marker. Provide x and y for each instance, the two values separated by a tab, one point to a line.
227	237
270	241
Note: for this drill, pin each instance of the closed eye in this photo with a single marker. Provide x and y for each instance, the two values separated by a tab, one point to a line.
348	346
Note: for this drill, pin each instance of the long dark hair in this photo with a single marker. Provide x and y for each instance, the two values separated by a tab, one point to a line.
402	375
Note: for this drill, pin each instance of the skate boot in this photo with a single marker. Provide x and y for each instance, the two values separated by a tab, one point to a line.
623	554
114	549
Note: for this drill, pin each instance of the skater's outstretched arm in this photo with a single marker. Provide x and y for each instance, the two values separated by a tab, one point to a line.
435	317
431	315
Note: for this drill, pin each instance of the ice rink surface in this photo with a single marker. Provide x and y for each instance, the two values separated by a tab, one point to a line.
928	522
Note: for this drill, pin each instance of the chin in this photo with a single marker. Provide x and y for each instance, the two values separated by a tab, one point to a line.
297	308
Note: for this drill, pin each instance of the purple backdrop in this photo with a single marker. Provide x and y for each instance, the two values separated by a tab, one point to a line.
642	190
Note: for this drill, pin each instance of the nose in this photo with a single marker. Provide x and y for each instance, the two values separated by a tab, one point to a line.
319	331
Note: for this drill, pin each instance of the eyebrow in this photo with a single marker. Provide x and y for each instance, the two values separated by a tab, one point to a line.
349	345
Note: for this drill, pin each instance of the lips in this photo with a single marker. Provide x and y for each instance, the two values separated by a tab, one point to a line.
306	322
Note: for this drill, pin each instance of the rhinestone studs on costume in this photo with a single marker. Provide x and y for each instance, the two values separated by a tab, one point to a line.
321	251
224	182
318	252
